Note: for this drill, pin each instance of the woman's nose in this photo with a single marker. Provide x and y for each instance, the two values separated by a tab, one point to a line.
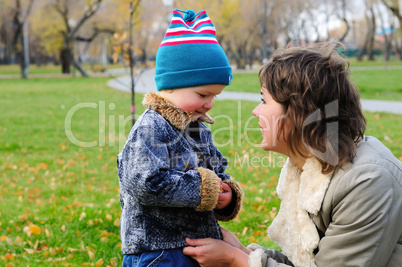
256	111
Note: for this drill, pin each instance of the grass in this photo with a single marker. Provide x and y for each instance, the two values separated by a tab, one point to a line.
46	69
379	84
379	61
372	84
59	200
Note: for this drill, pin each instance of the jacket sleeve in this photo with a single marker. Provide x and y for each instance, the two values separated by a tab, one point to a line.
366	216
144	172
219	164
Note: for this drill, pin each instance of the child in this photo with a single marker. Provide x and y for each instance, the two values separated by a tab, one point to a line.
172	180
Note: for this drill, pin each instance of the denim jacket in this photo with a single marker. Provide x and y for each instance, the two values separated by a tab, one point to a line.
167	176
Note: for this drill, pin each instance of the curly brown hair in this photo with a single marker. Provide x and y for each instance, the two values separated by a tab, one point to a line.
321	103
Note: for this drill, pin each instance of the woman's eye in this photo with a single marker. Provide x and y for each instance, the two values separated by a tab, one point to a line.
202	95
262	100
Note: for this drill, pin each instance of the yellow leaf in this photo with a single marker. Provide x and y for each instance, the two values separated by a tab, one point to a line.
244	230
19	240
82	216
9	257
63	228
104	233
47	233
116	222
29	250
253	239
3	238
34	229
99	263
91	255
109	217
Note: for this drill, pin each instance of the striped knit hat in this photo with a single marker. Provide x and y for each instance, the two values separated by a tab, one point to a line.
190	55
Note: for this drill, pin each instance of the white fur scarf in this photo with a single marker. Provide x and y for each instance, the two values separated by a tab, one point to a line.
301	192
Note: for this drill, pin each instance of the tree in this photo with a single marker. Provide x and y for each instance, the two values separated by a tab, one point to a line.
393	6
387	32
133	7
342	16
18	38
70	32
368	44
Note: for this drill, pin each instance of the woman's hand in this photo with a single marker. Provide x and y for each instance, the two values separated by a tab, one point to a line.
214	253
232	240
225	197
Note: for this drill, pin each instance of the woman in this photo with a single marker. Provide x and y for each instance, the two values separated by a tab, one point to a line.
341	191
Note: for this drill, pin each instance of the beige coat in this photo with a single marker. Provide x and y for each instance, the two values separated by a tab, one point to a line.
352	217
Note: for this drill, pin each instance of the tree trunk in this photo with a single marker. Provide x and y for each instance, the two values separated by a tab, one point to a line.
78	66
65	59
24	52
344	20
347	30
370	48
362	50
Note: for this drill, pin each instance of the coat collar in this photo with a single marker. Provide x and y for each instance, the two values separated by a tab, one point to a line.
176	116
302	193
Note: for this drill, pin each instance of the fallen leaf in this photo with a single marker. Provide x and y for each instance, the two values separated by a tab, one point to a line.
34	229
9	257
29	250
244	230
91	255
99	263
82	216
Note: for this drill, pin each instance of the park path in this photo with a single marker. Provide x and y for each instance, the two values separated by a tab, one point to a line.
144	83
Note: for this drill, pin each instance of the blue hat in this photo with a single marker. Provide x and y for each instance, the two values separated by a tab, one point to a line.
190	55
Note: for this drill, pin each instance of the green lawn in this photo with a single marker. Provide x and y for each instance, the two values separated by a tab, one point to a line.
379	84
47	69
372	84
33	69
59	201
379	61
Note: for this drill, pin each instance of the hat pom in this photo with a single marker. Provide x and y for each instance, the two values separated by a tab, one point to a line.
189	15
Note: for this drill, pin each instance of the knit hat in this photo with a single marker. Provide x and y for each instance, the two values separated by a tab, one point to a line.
190	55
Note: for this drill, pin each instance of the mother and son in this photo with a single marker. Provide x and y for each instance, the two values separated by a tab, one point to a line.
340	190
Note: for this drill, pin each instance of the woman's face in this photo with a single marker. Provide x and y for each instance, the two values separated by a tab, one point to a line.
270	113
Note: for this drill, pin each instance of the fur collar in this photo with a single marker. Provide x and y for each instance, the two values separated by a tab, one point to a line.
176	116
302	193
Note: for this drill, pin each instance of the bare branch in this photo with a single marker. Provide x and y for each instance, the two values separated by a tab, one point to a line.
95	33
91	10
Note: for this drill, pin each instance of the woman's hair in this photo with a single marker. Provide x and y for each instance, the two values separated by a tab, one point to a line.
322	105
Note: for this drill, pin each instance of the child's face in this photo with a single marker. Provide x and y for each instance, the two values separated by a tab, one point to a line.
197	100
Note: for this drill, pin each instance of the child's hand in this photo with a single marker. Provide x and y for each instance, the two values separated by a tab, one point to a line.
225	197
